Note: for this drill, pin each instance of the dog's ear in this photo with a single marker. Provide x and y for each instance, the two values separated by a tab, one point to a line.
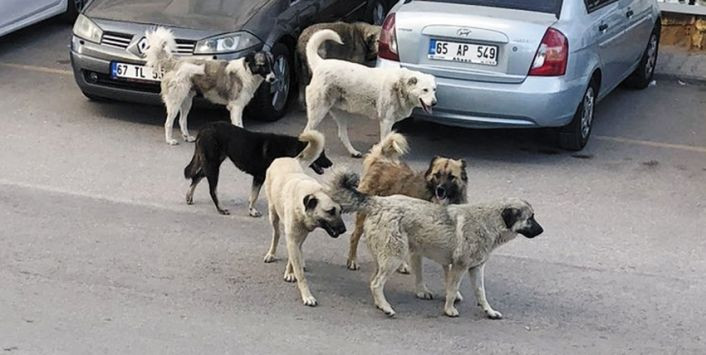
431	167
464	173
250	62
310	202
510	216
412	81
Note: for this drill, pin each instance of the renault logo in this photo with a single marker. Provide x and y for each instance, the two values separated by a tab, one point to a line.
142	46
465	32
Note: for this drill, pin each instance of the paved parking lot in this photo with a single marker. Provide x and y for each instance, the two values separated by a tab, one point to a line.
100	254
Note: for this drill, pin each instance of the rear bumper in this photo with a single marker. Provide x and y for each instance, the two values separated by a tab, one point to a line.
536	102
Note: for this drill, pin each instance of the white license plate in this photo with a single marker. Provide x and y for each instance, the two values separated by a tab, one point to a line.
134	72
463	52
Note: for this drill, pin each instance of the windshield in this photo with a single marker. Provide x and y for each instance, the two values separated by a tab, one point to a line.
548	6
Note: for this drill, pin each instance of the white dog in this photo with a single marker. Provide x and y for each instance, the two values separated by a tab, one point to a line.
346	89
230	83
299	203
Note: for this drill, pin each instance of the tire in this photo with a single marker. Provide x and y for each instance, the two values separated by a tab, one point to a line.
376	12
271	100
642	76
92	97
575	135
73	8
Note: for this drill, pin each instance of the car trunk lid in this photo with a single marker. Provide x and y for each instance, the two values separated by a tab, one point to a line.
514	34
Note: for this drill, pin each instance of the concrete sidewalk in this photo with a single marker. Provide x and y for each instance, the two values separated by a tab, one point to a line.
680	63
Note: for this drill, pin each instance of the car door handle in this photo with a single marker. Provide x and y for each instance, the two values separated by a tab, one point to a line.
629	13
603	27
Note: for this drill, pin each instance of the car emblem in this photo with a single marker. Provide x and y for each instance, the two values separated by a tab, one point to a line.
142	46
465	32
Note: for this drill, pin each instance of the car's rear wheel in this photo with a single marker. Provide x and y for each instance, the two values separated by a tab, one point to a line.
376	12
642	76
574	136
270	102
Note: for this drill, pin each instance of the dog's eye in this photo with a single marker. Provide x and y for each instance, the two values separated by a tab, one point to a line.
426	90
452	177
332	212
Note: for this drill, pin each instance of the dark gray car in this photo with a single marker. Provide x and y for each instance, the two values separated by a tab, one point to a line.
111	32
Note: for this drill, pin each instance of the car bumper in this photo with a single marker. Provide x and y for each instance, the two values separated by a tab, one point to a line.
536	102
91	67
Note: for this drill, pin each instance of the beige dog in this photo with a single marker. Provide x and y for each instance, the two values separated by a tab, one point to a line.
459	237
298	202
444	183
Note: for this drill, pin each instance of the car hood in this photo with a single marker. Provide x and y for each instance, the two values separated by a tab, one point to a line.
223	15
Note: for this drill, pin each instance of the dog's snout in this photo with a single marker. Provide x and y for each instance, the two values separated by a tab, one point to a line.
433	103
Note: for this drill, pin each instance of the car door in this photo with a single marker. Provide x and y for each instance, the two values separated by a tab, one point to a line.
12	11
606	28
640	21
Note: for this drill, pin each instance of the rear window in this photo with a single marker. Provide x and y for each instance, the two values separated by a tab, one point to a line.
548	6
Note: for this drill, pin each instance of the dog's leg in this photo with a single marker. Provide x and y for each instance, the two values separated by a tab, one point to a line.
404	268
478	283
447	268
172	111
274	221
453	281
342	122
190	194
183	116
377	284
385	128
254	193
355	238
294	240
420	289
236	113
316	109
212	173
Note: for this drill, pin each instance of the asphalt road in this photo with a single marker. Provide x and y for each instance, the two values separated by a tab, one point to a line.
100	254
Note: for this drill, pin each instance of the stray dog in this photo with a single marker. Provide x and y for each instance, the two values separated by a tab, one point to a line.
300	204
459	237
444	183
361	47
251	152
230	83
346	89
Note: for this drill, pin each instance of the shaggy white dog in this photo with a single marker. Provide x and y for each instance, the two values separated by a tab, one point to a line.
346	90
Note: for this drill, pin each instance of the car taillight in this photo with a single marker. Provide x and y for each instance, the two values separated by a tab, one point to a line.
552	55
387	48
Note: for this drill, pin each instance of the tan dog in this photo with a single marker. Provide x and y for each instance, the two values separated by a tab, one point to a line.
299	203
444	183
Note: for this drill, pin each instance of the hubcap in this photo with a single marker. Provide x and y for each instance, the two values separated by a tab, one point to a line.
280	88
378	14
651	56
587	113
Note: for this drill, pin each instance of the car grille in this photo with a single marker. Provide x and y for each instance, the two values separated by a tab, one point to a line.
122	40
113	39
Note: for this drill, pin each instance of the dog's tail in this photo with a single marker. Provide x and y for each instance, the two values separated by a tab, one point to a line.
342	188
192	170
315	42
391	148
161	45
315	146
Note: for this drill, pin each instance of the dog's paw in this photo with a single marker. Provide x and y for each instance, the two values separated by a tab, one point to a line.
189	200
492	314
451	312
290	277
403	269
310	301
352	265
387	310
459	297
254	213
356	155
270	258
424	294
172	142
224	212
189	139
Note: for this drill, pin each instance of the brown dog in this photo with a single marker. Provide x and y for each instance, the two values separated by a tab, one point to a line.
444	182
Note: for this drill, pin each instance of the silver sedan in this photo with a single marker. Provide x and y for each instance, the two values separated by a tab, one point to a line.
524	63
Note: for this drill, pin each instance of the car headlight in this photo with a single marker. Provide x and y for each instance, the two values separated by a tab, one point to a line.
87	30
232	42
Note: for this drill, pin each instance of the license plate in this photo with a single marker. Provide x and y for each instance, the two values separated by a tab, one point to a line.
134	72
463	52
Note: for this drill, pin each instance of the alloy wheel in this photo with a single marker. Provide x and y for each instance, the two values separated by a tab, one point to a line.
587	113
651	56
280	88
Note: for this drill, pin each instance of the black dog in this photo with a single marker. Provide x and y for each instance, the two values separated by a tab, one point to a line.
251	152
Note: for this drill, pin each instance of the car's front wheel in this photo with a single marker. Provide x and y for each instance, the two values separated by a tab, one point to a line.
642	76
73	8
574	136
270	102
